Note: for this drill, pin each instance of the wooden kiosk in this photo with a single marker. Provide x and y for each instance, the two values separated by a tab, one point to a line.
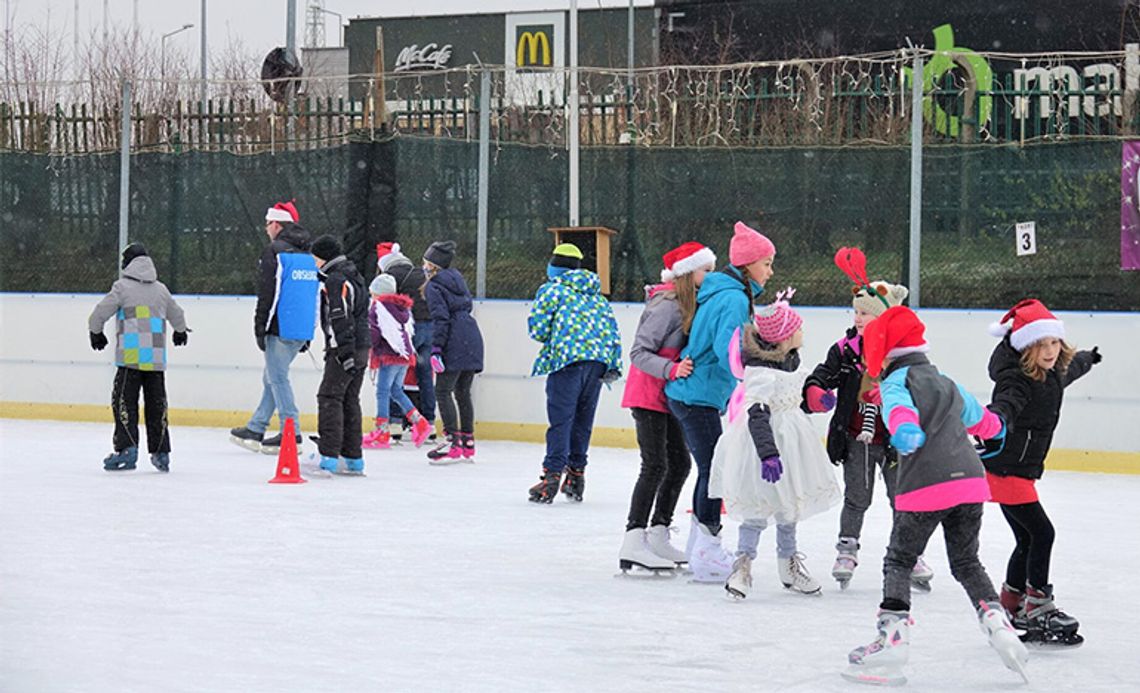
594	242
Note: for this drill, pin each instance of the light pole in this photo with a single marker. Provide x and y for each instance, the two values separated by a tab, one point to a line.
162	63
339	22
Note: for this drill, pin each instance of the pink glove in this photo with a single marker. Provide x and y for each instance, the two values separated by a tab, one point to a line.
436	361
873	396
819	400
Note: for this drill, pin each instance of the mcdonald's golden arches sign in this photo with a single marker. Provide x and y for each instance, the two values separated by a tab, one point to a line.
532	45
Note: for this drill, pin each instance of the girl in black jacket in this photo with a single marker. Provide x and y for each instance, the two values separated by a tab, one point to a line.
1031	368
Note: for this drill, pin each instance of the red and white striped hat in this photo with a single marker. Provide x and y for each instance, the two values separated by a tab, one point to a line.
685	259
1027	322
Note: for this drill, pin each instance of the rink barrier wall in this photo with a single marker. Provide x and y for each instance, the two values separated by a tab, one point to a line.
216	380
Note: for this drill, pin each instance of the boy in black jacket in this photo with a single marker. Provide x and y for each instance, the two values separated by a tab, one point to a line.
344	320
1030	367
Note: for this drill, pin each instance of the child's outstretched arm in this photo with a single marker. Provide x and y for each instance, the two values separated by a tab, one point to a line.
1082	363
978	420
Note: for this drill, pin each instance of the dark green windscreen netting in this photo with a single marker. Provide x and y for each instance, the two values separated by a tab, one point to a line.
200	214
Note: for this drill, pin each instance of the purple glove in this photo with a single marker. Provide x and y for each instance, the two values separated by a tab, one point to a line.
771	468
819	400
436	361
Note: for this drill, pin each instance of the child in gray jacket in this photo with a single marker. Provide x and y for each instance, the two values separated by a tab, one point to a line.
142	306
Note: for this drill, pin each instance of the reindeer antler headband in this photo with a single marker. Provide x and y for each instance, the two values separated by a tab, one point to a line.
853	263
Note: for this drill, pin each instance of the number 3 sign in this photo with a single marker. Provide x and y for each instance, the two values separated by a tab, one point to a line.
1027	238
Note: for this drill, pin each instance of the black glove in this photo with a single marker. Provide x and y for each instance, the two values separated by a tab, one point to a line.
304	347
180	338
261	342
1096	357
98	341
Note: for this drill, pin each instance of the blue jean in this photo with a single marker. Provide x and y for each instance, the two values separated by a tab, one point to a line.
701	426
276	391
390	388
749	538
421	342
571	400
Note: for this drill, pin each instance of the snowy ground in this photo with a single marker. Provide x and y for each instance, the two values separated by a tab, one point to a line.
446	579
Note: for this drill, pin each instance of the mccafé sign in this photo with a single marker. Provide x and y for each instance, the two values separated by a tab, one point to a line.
430	56
532	47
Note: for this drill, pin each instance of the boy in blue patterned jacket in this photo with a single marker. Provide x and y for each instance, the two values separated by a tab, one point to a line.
581	349
142	305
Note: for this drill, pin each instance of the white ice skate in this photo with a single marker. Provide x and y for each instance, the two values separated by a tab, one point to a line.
845	561
709	561
635	554
740	581
921	576
1003	638
657	537
880	663
795	576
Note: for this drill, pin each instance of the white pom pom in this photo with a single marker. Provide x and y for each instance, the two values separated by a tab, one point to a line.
666	276
998	329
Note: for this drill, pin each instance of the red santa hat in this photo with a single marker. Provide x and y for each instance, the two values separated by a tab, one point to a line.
895	333
686	259
284	212
1026	323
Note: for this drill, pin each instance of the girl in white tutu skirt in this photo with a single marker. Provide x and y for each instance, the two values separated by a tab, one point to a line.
770	465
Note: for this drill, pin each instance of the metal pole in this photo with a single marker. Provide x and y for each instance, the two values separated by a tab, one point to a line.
290	54
484	183
572	140
915	182
125	168
629	42
202	54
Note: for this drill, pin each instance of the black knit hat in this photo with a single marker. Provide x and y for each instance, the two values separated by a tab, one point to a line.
326	247
440	253
131	252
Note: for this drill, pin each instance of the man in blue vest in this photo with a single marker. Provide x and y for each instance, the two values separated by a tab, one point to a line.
283	323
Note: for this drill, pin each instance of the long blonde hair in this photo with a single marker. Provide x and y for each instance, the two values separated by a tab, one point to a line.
1029	360
685	291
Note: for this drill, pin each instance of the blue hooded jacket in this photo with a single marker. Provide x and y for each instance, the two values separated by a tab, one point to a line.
454	330
722	306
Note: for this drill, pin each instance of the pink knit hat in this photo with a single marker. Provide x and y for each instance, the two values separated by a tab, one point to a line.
748	245
778	321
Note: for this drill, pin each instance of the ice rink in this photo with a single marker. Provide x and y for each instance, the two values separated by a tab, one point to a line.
418	578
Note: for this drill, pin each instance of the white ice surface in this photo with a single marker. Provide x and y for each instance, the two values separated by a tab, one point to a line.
419	578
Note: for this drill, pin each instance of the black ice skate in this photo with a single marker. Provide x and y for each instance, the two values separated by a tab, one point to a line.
546	488
121	460
250	440
272	445
1045	625
575	484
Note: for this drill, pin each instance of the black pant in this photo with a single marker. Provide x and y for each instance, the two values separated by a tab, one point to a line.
909	534
125	407
664	467
338	409
453	387
1034	534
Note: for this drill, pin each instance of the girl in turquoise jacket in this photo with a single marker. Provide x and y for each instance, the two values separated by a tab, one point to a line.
724	303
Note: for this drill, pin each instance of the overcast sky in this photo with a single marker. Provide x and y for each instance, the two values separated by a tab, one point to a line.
260	23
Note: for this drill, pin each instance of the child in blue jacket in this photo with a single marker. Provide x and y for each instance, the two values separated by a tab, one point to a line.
581	349
724	304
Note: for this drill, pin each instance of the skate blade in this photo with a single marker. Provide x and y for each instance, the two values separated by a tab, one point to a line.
445	461
874	676
315	472
646	574
1068	642
920	585
251	445
818	592
843	585
348	473
734	595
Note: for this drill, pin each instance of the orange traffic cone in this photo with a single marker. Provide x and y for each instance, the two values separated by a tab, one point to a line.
288	464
